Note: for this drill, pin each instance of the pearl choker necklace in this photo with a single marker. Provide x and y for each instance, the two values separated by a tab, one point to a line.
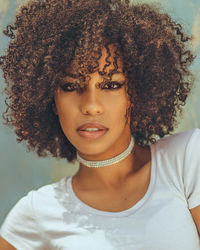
97	164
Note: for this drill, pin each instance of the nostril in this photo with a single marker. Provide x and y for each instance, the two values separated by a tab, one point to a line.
91	110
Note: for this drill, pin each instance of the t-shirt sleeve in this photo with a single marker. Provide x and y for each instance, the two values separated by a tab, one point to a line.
192	170
20	227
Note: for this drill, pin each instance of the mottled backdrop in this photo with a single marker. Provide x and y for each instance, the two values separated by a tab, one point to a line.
21	171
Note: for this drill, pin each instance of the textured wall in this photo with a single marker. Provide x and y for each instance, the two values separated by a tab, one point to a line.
21	171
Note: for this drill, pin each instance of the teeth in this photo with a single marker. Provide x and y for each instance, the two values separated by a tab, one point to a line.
91	129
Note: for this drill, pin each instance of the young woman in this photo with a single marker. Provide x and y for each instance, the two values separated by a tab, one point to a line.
101	81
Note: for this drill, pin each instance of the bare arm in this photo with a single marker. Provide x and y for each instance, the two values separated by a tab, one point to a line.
4	245
196	217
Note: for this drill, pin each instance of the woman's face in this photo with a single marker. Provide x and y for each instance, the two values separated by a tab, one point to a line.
96	107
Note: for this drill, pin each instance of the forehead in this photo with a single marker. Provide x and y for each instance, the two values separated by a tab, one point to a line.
106	55
102	60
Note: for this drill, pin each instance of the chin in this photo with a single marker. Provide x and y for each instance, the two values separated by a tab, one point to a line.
92	149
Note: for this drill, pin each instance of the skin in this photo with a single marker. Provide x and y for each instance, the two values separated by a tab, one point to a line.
117	181
107	107
4	245
126	182
95	105
195	212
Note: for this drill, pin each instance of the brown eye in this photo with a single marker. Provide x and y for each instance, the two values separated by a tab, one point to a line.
112	85
69	87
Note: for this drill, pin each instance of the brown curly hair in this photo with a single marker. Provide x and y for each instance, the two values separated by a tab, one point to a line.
48	34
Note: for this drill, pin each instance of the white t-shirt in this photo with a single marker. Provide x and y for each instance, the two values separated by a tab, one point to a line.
54	218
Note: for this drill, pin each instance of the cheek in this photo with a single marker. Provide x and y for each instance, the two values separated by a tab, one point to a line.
64	109
66	115
117	114
120	107
67	121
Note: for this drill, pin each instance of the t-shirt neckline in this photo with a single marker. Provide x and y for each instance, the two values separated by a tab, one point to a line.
128	211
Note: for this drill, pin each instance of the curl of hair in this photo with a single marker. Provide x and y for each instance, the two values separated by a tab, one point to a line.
48	34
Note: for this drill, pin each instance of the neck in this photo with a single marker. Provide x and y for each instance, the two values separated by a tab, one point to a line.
108	162
105	175
114	175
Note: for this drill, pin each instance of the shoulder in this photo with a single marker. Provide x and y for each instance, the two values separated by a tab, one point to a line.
179	142
178	162
37	202
50	196
32	214
177	155
175	151
50	190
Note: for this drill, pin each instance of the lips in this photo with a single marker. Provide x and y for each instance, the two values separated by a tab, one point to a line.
91	135
91	125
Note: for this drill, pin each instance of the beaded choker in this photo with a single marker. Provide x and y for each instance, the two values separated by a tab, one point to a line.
97	164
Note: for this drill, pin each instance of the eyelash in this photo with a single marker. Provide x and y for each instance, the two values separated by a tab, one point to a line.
65	88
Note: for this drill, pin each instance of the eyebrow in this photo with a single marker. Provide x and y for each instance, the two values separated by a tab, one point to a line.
107	75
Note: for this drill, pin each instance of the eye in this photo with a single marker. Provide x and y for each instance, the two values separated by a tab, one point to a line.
69	87
112	85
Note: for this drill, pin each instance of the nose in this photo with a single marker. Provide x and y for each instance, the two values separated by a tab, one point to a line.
91	103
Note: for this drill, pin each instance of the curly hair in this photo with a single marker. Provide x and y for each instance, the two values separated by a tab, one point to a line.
48	34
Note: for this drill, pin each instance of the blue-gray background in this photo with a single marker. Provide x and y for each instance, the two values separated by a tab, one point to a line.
21	171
